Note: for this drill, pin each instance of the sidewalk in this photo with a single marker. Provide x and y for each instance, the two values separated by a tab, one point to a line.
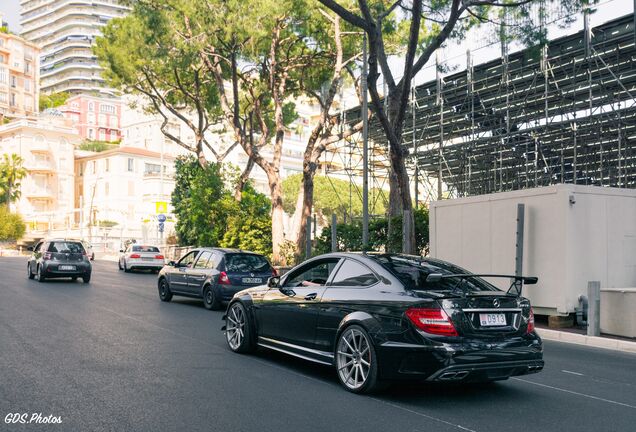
611	343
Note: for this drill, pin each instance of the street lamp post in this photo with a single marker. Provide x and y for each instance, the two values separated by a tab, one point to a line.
365	147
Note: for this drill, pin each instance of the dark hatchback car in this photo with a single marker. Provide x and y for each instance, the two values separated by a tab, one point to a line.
59	258
213	274
384	317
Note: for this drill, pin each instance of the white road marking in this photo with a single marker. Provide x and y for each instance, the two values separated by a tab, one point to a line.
570	372
576	393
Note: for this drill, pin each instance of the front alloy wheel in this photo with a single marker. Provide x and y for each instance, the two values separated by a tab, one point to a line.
356	361
237	329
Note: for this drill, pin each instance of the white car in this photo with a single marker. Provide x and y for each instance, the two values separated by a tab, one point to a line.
89	250
141	257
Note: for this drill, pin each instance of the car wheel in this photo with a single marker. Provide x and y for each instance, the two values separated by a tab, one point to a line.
40	276
119	265
164	290
86	278
356	361
210	299
29	272
238	332
126	269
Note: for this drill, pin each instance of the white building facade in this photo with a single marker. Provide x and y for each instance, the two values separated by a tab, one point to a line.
66	31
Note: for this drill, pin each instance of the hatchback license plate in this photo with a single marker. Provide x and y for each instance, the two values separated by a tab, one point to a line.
67	267
252	280
492	319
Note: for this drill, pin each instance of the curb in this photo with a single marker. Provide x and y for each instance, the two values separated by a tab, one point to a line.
591	341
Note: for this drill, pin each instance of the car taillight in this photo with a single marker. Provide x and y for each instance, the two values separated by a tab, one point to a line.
223	279
158	256
530	322
274	272
46	256
135	256
433	321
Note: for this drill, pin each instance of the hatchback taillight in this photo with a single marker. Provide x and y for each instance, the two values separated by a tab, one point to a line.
432	320
223	279
158	256
47	256
135	256
530	322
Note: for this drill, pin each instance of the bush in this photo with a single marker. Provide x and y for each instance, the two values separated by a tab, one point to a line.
12	226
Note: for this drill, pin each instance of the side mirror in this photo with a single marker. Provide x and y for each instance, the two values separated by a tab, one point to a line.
121	250
30	248
273	282
434	277
171	263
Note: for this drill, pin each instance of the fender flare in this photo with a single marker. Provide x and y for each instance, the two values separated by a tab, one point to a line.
364	320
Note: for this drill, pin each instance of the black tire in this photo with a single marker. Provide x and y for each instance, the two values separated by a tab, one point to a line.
238	329
29	272
164	290
40	276
210	299
86	278
355	352
126	269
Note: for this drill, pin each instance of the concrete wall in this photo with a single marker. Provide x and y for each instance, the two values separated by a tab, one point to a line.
617	311
566	244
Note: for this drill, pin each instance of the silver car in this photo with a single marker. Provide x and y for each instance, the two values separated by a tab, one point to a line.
141	257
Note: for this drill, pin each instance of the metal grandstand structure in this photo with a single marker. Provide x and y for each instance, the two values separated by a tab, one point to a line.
561	113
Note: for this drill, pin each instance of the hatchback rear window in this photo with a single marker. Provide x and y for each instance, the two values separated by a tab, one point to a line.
246	263
66	247
145	249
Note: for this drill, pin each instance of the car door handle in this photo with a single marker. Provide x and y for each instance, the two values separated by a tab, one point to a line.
311	296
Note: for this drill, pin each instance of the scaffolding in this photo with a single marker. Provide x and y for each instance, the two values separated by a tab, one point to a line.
564	112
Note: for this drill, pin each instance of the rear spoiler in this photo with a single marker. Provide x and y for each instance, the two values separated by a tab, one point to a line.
518	281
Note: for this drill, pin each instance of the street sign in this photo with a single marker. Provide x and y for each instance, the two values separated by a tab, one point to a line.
160	227
161	207
161	218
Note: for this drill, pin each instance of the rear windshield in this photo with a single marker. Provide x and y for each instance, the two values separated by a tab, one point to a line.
246	263
413	272
145	249
66	247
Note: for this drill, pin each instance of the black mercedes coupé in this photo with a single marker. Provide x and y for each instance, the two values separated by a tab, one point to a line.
383	317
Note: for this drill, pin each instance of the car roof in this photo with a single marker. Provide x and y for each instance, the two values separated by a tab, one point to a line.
228	250
61	239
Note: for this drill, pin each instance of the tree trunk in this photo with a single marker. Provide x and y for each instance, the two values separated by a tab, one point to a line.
243	179
307	203
278	234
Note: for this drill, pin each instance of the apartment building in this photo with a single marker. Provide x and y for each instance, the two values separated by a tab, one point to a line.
46	145
19	76
123	186
66	30
95	118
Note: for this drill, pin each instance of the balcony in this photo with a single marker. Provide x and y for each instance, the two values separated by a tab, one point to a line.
39	193
42	166
41	147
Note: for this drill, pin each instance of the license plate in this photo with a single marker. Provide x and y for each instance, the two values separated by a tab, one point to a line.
252	280
492	319
147	259
67	267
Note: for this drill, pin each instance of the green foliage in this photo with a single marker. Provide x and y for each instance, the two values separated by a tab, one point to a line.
11	174
98	146
12	226
349	236
53	100
332	195
208	215
107	223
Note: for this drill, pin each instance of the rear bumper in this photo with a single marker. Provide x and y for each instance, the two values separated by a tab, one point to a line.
228	291
144	264
52	270
466	361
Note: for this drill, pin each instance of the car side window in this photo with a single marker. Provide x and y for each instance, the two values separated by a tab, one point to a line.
187	260
214	260
353	273
314	274
202	262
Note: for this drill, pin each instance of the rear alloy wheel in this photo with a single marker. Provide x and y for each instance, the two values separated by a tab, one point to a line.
356	361
40	276
237	329
29	272
210	300
164	290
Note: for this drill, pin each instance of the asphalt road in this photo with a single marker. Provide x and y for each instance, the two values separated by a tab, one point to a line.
109	356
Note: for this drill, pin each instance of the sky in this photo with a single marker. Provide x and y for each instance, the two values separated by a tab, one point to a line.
11	11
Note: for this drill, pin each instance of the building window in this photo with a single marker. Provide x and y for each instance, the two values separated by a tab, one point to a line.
3	97
27	85
14	81
110	109
4	76
152	169
90	134
27	67
91	106
2	58
102	120
131	164
13	101
102	135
